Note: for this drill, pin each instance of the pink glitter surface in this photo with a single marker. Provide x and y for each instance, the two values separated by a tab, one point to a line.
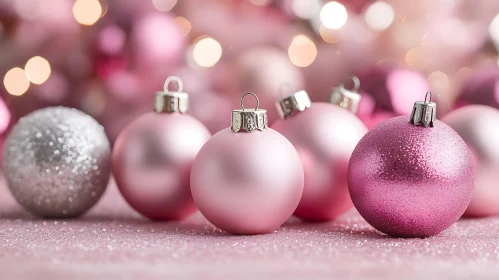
112	241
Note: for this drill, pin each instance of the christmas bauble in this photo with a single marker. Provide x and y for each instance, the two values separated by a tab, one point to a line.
478	126
247	183
324	135
152	158
57	162
408	180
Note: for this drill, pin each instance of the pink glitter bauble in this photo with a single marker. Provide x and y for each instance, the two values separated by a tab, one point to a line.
478	126
152	161
324	135
247	183
411	181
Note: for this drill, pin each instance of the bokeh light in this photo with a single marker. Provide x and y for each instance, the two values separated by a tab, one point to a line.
164	5
37	70
494	29
15	81
439	80
207	52
302	51
333	15
329	35
305	9
379	16
87	12
185	25
415	57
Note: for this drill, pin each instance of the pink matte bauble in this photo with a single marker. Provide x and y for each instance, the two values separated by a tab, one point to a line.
324	135
247	183
478	125
152	161
411	181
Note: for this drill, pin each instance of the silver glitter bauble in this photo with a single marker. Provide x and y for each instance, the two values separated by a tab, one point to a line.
57	162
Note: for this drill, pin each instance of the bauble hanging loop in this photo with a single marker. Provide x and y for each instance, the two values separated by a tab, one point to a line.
168	101
346	98
249	119
424	112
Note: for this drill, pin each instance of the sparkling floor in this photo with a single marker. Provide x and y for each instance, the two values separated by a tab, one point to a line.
113	241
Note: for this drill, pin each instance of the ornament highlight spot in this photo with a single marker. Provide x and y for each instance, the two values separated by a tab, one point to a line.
16	82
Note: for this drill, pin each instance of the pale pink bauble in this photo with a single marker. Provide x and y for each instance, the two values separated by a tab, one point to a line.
247	183
478	125
263	71
324	135
411	181
152	161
